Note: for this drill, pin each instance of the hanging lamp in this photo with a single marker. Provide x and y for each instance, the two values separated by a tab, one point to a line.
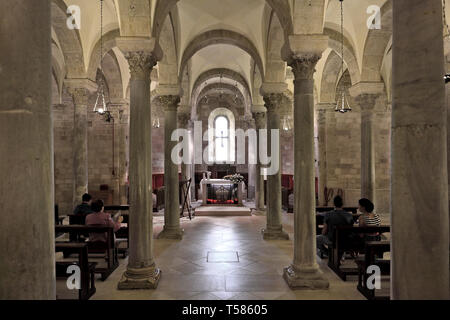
100	106
342	104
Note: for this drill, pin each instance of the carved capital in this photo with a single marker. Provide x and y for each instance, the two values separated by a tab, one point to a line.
260	120
80	96
169	102
273	101
141	64
303	65
366	101
183	120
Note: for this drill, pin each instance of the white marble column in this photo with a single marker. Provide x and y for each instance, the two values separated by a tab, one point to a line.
27	237
141	272
419	190
172	229
304	272
322	110
260	207
274	229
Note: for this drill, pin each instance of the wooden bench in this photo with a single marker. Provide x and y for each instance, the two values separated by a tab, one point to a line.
108	248
87	269
373	250
122	235
343	242
320	211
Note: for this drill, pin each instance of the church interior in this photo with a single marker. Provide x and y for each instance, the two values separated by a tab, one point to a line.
348	99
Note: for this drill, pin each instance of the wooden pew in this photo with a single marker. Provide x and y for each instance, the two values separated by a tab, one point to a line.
122	235
342	243
87	269
372	250
108	248
320	211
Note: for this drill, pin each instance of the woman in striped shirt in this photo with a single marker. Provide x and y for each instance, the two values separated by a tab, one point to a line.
368	219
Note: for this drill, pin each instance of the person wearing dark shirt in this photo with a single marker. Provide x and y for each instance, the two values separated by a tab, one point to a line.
332	219
84	208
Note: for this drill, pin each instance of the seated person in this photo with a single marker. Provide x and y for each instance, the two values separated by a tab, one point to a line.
84	208
332	219
100	218
368	219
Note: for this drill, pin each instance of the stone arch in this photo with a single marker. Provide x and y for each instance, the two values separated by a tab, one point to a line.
219	86
330	76
232	127
275	66
220	37
69	40
168	67
214	73
334	42
109	42
375	46
113	76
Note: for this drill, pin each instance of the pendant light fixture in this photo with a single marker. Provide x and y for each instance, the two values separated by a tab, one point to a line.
100	106
446	34
342	102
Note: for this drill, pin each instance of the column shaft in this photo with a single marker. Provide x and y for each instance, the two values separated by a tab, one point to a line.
27	253
260	122
80	143
172	228
419	190
304	271
274	229
141	272
322	144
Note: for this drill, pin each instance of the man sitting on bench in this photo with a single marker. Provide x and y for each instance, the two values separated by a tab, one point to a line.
100	218
337	217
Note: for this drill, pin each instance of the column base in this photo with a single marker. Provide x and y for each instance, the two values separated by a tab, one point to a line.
259	212
274	234
171	233
142	278
305	279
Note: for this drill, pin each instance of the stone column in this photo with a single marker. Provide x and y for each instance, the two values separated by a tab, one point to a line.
260	123
304	272
322	147
124	129
115	124
80	91
366	95
419	190
274	228
172	229
183	123
141	272
27	252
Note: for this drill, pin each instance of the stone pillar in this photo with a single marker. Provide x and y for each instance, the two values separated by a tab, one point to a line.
172	229
124	129
115	123
27	251
366	95
419	190
260	123
322	147
141	272
304	272
186	174
274	228
80	91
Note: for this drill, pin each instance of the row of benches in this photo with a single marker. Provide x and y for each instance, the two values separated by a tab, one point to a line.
346	239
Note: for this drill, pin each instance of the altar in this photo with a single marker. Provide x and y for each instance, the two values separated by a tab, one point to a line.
221	192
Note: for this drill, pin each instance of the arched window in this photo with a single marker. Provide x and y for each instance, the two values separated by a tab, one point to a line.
222	139
221	136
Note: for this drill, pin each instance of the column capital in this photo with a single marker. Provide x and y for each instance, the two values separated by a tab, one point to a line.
272	87
325	106
260	120
303	65
141	64
169	102
80	89
273	101
258	108
183	119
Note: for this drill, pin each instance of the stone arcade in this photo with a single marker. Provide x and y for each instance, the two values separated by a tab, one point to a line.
225	65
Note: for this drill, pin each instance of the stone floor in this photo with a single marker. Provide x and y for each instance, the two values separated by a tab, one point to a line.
192	269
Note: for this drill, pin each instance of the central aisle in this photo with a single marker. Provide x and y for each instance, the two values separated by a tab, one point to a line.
191	268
